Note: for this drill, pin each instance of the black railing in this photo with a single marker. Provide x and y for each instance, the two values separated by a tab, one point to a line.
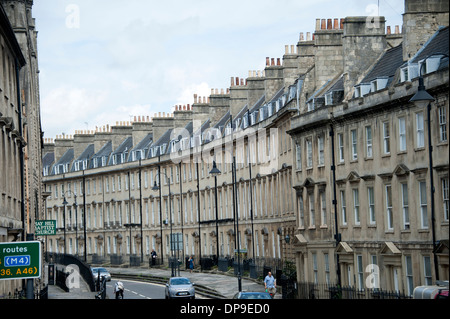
326	291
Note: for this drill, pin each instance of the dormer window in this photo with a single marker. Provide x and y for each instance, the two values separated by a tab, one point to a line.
329	98
378	84
270	109
362	89
430	65
245	122
409	72
95	162
185	143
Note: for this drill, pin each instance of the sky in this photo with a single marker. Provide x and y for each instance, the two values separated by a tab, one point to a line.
105	61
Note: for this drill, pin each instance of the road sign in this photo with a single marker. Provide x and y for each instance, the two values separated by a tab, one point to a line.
20	260
45	227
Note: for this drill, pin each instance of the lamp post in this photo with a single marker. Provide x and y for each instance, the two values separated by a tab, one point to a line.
155	188
422	98
76	218
64	221
215	172
65	203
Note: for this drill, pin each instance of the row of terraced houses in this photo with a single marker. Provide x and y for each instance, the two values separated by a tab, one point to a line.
324	162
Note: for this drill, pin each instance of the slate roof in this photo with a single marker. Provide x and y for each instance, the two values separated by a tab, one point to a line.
438	43
387	65
145	143
85	156
48	159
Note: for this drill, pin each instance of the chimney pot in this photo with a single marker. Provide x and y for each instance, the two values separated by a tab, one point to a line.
388	29
329	24
342	24
323	24
286	49
308	36
278	61
292	49
301	36
272	61
336	24
397	29
317	24
267	61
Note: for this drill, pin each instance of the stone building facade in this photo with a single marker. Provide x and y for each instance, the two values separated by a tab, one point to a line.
21	187
361	169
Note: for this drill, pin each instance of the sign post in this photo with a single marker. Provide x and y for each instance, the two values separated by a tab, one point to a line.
20	260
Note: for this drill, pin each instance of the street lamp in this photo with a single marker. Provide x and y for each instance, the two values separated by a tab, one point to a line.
65	203
155	188
215	172
64	221
421	99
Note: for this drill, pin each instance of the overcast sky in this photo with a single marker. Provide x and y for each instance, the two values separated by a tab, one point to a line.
104	61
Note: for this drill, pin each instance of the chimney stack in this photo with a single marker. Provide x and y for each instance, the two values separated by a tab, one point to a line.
421	20
364	40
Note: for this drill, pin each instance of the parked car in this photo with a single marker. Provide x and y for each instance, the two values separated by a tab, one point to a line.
439	291
252	295
180	287
103	272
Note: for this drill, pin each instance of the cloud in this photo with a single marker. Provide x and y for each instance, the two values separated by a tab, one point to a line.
127	57
65	108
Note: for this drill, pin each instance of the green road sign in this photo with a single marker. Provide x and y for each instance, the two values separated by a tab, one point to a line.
45	227
20	260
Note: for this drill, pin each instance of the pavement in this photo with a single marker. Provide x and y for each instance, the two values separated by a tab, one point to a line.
210	284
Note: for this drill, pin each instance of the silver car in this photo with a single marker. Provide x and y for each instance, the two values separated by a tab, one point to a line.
180	287
103	272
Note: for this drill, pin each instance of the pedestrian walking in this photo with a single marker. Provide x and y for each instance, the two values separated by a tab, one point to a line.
270	284
153	254
191	263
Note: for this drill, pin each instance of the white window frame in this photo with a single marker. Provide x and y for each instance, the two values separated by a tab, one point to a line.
341	147
389	211
402	134
354	138
442	115
323	208
343	208
309	153
371	205
320	150
423	205
386	139
420	133
298	154
405	204
312	211
445	198
369	142
356	214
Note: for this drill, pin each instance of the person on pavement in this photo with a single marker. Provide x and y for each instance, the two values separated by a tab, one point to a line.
191	263
270	284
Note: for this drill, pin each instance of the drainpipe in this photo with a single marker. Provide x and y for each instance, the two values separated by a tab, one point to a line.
21	155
